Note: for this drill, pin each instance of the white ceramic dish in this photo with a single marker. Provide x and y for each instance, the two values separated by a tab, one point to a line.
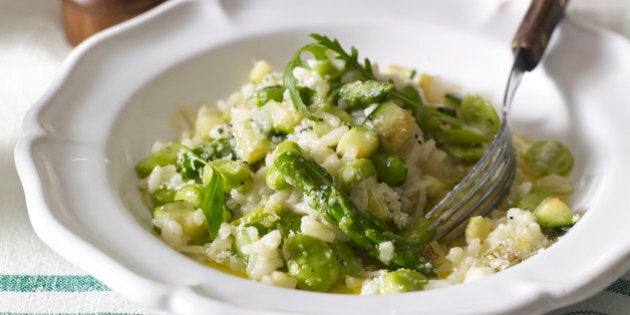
117	91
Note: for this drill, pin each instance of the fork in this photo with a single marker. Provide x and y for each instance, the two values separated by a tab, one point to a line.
489	181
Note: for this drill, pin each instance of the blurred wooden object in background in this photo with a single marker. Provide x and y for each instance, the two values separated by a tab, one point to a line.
83	18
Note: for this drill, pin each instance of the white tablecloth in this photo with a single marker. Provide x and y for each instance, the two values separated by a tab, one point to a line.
34	279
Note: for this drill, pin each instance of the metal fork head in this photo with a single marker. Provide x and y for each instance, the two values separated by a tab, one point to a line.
480	191
489	180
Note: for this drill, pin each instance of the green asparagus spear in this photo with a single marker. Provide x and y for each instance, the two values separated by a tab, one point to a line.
335	206
360	94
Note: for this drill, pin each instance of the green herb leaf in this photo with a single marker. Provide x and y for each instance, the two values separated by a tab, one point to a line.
213	203
428	118
189	163
351	60
291	82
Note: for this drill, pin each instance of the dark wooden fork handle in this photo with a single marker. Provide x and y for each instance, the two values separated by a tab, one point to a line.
535	30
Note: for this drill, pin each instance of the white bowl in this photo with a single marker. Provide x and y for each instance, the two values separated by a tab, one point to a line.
117	91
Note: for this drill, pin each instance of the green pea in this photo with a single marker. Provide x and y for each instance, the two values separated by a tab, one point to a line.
266	94
390	168
312	262
183	213
236	174
161	158
263	220
162	196
546	157
479	113
402	280
354	172
192	193
531	199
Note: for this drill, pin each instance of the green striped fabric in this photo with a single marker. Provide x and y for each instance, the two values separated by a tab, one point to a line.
77	283
86	283
52	283
621	286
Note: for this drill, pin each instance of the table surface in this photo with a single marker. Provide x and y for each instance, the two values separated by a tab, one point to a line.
33	278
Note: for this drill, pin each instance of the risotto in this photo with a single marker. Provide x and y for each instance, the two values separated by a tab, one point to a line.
318	178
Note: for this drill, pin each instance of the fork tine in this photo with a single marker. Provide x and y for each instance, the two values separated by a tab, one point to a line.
477	170
493	193
481	190
490	179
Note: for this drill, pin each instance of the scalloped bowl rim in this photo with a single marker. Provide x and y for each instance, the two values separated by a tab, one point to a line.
59	143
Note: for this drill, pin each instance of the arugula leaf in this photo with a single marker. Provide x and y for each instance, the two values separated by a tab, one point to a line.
416	105
190	162
188	165
213	203
428	118
291	82
213	199
351	60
